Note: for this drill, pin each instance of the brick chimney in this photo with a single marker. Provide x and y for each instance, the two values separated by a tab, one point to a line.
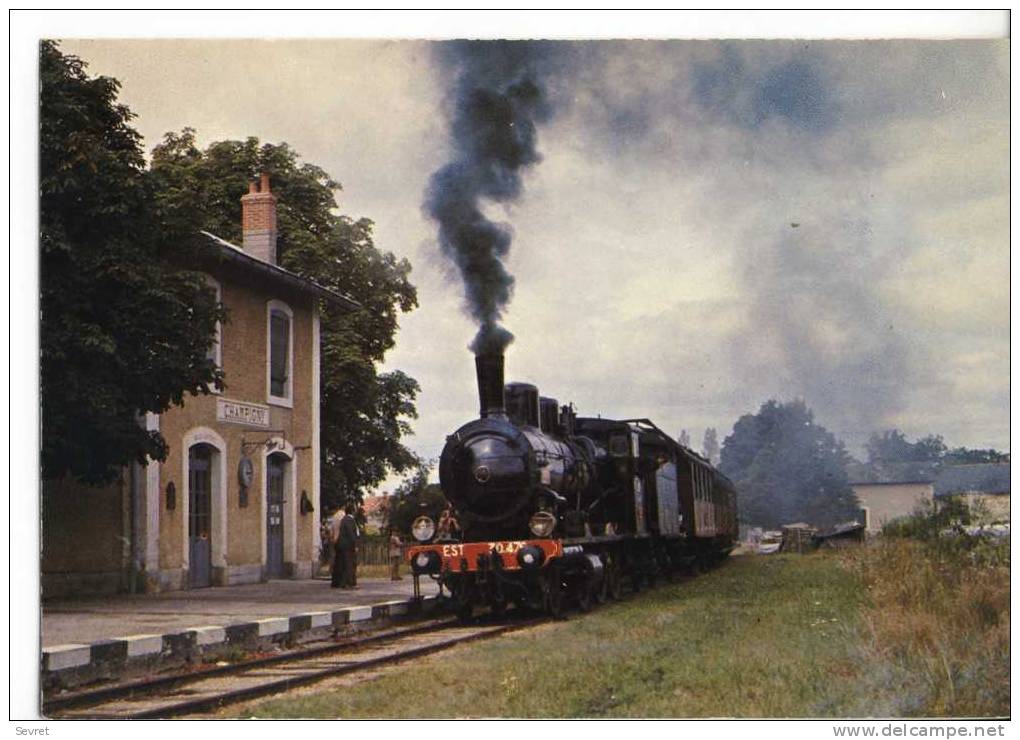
258	221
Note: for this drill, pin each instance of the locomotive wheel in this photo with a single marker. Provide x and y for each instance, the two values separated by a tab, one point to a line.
463	604
499	607
555	593
601	593
614	583
637	581
671	570
668	572
584	595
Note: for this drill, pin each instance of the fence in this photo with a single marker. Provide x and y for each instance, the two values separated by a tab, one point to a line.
374	551
371	551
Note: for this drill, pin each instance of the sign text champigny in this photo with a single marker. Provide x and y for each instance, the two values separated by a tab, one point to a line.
236	412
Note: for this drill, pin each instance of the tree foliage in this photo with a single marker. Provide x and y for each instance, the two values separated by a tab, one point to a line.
123	329
787	468
364	413
892	446
932	520
416	496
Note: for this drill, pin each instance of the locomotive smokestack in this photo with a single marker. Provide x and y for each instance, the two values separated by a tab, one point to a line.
489	370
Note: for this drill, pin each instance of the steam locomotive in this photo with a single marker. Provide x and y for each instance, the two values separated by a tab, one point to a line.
557	509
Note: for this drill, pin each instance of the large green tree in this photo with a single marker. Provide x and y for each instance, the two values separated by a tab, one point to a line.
124	330
787	468
365	413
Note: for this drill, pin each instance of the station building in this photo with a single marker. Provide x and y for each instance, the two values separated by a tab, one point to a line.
234	501
890	491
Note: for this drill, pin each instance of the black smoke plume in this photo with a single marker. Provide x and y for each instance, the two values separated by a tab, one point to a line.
497	101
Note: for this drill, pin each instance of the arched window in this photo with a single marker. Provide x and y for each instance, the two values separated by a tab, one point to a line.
279	353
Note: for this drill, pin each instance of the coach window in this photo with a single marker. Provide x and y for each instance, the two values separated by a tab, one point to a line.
280	357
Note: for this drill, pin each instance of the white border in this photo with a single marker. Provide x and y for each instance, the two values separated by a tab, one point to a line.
26	27
525	22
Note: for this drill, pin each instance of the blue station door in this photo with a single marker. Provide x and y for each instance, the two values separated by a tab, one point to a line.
277	465
199	516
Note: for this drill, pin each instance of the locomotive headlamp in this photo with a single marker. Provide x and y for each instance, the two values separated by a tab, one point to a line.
425	562
530	556
423	529
542	524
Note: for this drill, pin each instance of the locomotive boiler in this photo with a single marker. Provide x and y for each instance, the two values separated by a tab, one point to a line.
512	469
554	507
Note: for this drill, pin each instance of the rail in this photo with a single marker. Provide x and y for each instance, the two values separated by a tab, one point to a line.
211	689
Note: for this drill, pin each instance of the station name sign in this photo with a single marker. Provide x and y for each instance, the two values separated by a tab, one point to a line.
237	412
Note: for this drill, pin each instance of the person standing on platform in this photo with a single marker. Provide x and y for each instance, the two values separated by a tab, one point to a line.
325	546
337	580
347	548
396	553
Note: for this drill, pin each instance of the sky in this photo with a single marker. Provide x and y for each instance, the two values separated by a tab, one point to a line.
707	225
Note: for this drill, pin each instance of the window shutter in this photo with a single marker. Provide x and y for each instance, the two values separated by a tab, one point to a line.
279	342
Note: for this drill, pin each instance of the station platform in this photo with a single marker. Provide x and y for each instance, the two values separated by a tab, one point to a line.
85	639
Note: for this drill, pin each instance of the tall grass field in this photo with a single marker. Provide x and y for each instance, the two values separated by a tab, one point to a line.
894	628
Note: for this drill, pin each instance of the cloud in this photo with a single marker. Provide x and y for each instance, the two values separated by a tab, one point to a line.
794	91
658	271
812	167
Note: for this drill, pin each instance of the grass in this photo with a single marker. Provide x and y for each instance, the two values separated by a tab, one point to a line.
822	635
937	625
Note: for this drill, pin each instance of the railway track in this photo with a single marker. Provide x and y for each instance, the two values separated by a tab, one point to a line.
180	694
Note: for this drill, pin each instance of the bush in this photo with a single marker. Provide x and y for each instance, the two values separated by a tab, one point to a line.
947	529
930	519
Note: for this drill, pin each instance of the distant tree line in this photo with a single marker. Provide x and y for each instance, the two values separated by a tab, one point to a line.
788	468
893	446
